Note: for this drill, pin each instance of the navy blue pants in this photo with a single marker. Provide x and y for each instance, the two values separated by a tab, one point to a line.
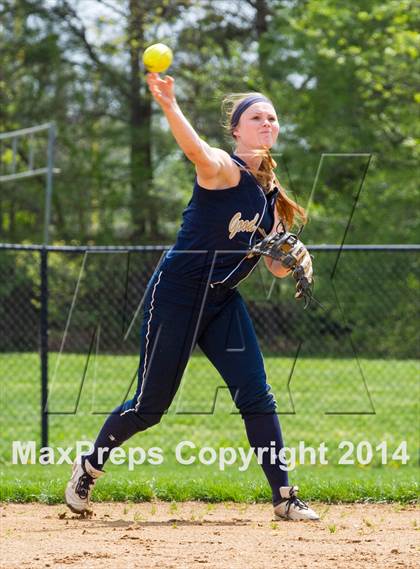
177	316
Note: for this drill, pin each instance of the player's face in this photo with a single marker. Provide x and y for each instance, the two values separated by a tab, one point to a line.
258	127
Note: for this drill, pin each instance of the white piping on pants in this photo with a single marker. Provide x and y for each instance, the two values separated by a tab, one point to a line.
152	305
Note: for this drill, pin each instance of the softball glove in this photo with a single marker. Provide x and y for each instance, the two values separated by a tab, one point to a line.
291	252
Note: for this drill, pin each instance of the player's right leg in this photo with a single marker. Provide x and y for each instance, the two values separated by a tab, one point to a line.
167	335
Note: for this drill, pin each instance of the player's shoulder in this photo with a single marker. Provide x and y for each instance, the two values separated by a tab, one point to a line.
224	172
224	161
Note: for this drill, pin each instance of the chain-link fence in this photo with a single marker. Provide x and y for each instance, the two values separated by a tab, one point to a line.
346	365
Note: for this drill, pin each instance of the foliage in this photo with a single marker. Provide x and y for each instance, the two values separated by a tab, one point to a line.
345	78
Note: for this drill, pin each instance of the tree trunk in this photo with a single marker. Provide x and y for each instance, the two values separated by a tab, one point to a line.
142	211
261	26
261	17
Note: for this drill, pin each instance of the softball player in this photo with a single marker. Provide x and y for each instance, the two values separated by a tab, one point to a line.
192	297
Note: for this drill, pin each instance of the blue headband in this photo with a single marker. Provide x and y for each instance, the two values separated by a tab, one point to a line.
243	105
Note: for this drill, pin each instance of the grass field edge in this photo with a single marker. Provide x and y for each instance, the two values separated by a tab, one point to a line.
124	491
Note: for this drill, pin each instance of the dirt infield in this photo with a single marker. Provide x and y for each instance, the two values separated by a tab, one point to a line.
193	534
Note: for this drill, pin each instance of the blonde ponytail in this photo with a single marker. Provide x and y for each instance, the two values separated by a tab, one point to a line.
288	210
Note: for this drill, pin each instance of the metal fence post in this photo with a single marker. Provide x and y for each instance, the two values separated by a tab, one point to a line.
49	181
44	346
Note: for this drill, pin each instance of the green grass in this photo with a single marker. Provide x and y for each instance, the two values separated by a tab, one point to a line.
46	484
315	409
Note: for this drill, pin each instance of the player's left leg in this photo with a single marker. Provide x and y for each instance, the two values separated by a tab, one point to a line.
230	342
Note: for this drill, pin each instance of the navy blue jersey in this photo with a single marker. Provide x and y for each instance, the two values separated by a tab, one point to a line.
218	227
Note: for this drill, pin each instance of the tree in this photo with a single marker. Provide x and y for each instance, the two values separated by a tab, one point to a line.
344	77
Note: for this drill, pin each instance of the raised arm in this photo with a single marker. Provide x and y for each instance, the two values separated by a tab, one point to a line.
209	161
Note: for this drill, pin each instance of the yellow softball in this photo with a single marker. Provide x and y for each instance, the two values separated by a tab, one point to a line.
157	57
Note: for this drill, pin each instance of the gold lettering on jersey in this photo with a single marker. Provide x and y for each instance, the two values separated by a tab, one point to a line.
237	224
